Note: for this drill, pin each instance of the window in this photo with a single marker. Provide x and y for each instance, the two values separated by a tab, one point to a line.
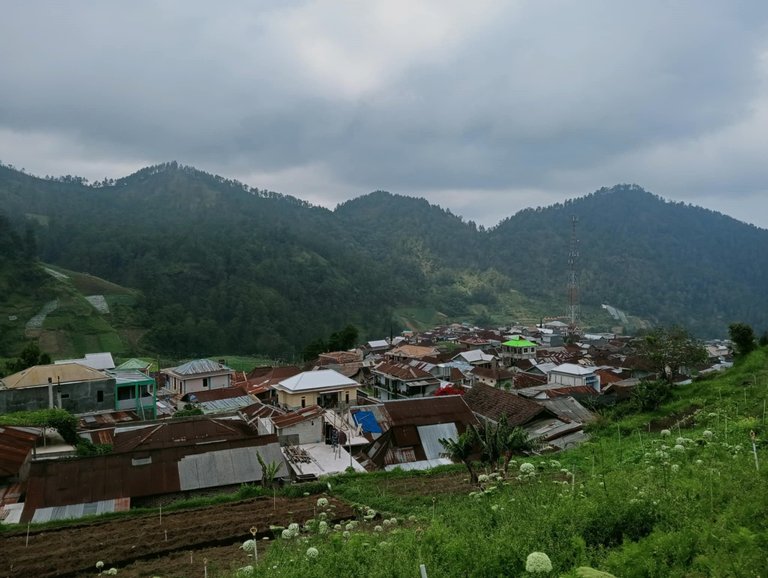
205	382
64	396
124	393
100	396
303	402
346	397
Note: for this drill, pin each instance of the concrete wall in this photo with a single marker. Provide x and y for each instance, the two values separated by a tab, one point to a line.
214	382
78	397
309	431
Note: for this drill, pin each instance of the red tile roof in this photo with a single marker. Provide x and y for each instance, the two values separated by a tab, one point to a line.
402	371
493	403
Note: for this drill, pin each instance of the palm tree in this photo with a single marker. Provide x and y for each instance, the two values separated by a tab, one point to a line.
460	450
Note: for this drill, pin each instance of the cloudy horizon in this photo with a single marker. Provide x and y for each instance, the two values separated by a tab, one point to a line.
485	109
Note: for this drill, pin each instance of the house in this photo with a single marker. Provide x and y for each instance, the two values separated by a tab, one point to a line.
412	430
135	391
197	375
377	346
149	460
498	377
303	426
260	381
393	380
571	374
71	386
135	363
324	387
476	358
555	430
517	349
405	353
490	404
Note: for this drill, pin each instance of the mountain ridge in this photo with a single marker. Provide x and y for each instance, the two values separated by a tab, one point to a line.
224	266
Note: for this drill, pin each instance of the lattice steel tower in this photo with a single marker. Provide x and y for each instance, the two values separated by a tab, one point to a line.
573	279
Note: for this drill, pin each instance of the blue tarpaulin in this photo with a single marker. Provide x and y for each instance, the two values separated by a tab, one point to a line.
367	421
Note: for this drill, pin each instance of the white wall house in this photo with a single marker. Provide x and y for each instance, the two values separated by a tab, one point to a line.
197	375
324	387
571	374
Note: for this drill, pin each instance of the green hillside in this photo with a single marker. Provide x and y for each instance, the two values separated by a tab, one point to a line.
219	266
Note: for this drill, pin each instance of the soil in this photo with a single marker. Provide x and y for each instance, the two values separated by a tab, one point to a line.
447	483
683	419
144	546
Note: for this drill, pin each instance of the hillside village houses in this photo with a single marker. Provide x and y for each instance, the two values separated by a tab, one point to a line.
384	405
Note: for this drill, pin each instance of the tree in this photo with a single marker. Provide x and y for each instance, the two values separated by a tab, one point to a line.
500	440
460	450
649	395
29	357
743	337
669	350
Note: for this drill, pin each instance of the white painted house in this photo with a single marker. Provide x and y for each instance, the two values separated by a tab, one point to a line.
324	387
197	375
571	374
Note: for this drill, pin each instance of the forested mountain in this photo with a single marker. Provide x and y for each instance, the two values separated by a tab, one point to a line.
224	267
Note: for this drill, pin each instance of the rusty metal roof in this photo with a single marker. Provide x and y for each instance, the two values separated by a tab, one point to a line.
179	432
429	410
15	445
492	403
298	416
134	474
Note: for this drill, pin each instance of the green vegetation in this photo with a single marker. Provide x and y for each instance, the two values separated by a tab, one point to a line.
219	266
59	419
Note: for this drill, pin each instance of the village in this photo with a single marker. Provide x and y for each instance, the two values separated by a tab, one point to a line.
202	427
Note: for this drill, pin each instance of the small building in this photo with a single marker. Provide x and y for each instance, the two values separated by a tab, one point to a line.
324	387
70	386
572	374
476	358
303	426
392	380
517	349
135	391
197	375
406	353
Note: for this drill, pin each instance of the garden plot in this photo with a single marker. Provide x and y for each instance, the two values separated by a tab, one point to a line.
145	546
99	303
36	323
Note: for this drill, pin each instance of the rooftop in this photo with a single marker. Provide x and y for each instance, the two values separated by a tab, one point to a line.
316	380
39	375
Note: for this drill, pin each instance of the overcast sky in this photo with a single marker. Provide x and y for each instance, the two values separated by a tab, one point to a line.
483	107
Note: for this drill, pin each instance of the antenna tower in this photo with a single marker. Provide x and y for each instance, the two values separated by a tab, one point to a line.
573	280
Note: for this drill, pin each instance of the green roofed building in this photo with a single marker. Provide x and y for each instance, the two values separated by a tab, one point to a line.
517	349
135	391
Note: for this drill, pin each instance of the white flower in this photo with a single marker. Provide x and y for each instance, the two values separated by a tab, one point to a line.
679	448
99	565
538	563
294	527
699	462
378	529
111	572
386	523
322	528
393	521
312	552
346	534
337	527
707	434
322	503
349	527
287	534
245	571
482	478
665	433
675	468
527	468
249	545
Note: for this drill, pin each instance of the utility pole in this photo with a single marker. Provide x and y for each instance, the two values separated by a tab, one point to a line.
573	279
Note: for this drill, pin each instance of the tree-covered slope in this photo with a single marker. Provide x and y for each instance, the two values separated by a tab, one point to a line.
224	267
669	262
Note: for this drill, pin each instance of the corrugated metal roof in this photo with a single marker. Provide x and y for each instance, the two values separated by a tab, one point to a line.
316	380
92	360
569	408
199	366
432	434
80	510
429	410
15	446
420	465
225	405
228	467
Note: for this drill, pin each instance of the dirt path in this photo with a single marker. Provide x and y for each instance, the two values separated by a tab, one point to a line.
143	546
